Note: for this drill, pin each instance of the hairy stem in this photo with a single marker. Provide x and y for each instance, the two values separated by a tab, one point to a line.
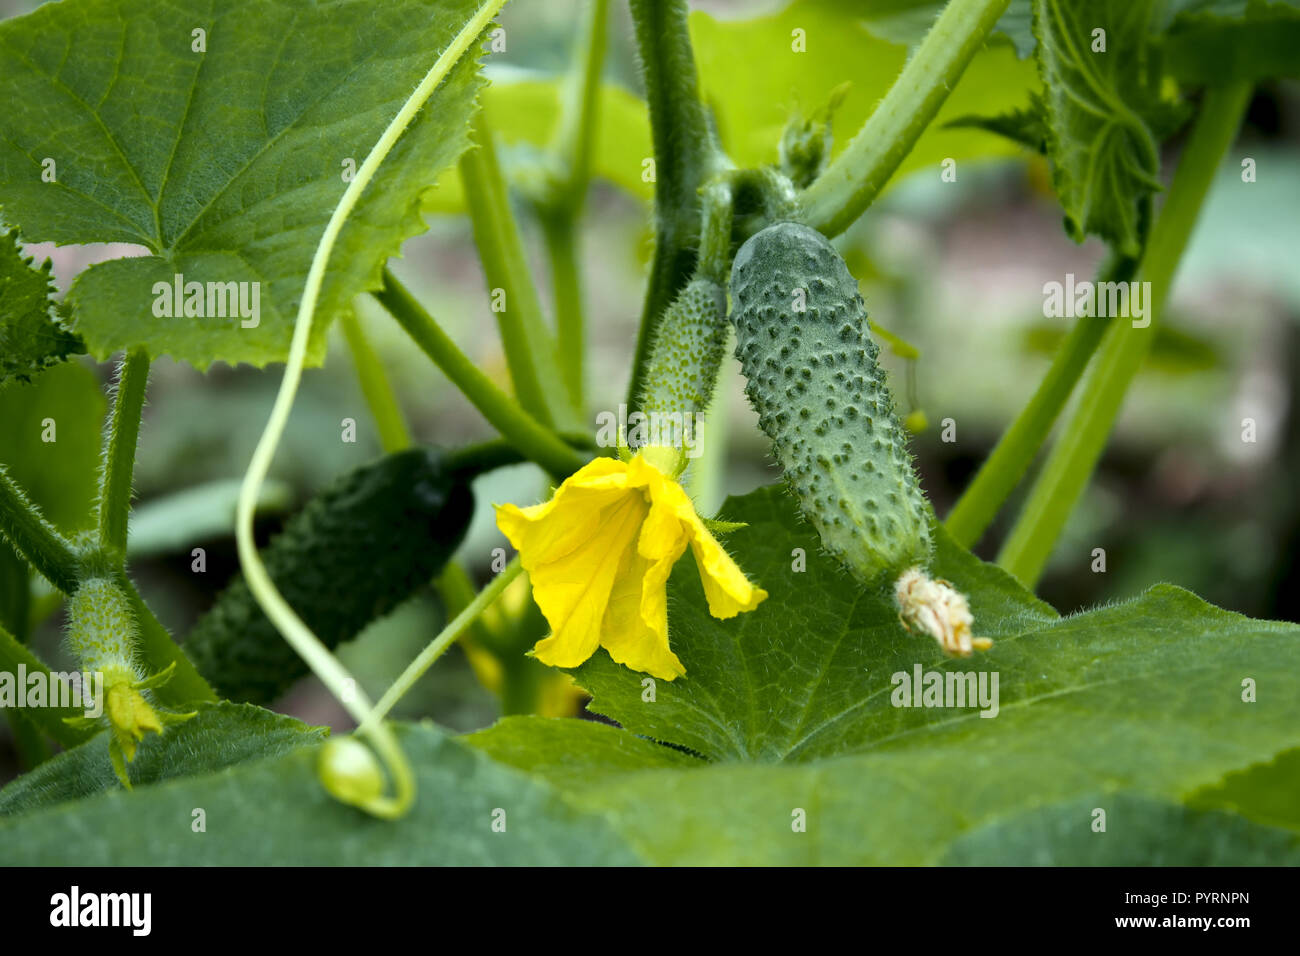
35	538
1020	443
1075	456
527	434
120	439
375	387
853	180
685	156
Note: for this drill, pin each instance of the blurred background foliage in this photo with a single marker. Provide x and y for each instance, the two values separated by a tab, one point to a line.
956	269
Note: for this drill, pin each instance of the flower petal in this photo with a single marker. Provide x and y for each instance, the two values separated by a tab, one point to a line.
573	589
725	585
636	623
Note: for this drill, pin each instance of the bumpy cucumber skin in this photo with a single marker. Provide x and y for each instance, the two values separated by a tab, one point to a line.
352	554
821	397
101	627
688	347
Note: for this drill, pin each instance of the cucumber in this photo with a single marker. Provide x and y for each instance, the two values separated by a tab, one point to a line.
812	375
102	629
359	548
687	351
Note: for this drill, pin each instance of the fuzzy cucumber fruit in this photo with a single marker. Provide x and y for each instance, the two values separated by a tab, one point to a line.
812	375
687	351
359	548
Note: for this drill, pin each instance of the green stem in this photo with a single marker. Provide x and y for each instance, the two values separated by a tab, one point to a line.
532	438
1018	446
35	538
378	392
439	644
856	176
560	232
120	439
577	129
685	157
529	348
1123	349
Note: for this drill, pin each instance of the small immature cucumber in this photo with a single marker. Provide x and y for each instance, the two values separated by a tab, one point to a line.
102	628
812	376
687	351
355	551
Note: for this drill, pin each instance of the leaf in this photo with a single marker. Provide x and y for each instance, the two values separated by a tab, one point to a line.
222	735
794	705
753	80
276	812
224	164
1265	792
907	21
807	674
1223	43
574	753
1025	126
64	404
1139	831
1105	160
32	337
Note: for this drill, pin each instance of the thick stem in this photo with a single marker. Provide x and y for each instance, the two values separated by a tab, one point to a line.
35	538
685	156
375	387
1019	445
856	176
1075	456
120	439
530	350
532	438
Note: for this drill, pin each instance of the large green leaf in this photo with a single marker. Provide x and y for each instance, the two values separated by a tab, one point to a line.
220	736
1131	708
753	80
1220	43
32	336
224	164
276	812
1105	158
807	674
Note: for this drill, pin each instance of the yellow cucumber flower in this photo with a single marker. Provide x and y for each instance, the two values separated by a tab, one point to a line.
599	554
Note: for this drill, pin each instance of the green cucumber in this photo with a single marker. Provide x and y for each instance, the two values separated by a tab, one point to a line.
358	549
812	375
687	351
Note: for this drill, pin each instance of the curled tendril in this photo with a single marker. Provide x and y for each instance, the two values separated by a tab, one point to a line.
326	666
